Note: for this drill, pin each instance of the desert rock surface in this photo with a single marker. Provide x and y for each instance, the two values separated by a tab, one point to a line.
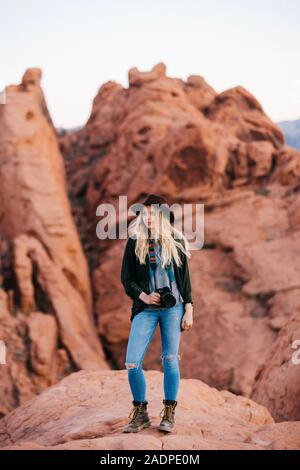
62	306
89	408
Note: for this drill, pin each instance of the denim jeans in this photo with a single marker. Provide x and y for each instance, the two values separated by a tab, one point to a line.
142	330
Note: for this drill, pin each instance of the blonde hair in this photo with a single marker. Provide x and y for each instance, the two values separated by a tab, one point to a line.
167	235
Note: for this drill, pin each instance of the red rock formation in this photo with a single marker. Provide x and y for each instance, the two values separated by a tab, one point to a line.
155	126
34	359
89	409
234	326
278	380
76	331
187	142
191	144
47	314
32	184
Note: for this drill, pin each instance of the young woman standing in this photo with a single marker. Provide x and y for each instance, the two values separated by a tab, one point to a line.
155	275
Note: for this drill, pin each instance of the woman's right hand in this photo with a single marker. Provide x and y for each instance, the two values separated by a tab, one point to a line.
153	298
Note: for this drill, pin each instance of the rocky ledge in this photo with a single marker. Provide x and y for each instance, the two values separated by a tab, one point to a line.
88	409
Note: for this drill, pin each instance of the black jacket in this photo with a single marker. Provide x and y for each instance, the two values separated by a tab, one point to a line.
135	277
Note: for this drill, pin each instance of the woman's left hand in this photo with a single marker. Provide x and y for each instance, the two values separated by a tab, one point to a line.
187	319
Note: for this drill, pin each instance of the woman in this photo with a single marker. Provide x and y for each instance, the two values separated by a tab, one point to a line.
155	257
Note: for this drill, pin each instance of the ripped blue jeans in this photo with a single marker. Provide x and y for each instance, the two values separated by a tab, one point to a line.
142	330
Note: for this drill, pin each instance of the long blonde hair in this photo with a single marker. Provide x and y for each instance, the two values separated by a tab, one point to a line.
167	235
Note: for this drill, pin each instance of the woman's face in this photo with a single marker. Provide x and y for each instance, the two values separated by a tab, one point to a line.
148	216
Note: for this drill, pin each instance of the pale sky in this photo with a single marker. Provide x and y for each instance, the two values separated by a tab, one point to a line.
81	44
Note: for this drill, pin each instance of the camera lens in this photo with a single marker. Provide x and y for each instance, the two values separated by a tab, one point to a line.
168	300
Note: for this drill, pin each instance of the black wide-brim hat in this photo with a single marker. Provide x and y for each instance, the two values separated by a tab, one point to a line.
155	199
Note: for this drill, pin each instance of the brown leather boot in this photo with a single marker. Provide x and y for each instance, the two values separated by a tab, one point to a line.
139	417
168	415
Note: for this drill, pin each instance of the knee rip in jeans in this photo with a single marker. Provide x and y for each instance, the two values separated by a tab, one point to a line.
170	357
131	365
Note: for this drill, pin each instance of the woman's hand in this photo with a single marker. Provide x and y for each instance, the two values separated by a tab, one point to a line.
153	298
187	319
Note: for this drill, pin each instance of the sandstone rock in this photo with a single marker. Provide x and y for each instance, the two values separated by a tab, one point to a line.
261	262
135	77
32	76
238	109
287	170
76	330
192	144
89	409
199	92
46	303
42	333
32	182
238	326
278	380
15	384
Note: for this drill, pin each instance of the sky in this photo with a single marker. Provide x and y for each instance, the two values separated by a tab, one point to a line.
81	44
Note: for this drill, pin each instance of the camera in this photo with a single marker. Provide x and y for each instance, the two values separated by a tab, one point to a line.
166	297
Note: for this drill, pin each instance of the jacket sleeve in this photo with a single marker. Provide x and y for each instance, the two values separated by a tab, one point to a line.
186	280
128	271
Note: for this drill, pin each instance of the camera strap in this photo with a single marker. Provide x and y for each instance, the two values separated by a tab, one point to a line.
153	264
